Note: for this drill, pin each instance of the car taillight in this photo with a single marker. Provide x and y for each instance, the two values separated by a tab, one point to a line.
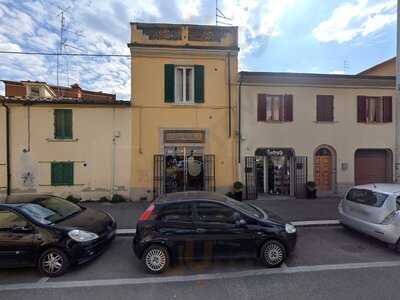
148	214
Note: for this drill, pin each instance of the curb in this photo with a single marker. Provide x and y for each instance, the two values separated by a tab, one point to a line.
319	223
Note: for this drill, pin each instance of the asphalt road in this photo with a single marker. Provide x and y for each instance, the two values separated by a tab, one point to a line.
329	263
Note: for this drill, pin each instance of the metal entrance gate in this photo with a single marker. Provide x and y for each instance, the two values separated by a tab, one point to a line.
159	174
250	178
300	175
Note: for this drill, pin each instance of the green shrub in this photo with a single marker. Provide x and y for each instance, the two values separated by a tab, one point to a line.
104	199
73	199
116	198
237	186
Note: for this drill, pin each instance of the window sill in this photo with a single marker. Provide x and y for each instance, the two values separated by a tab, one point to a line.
61	185
52	140
183	103
326	122
375	123
275	122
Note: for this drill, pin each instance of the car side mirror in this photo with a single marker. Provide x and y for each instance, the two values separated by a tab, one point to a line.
22	229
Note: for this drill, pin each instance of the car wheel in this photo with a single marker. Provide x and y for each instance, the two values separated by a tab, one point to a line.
53	262
273	254
156	259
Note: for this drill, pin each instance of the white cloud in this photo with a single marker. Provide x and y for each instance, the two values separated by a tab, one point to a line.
258	21
189	8
337	72
351	20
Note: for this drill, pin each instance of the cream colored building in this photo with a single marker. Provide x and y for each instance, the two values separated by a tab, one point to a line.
183	108
91	159
336	130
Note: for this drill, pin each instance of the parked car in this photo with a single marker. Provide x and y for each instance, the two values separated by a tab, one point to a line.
51	233
199	225
373	209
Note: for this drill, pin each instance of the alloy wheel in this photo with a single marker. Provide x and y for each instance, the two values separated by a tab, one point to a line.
52	263
155	259
273	254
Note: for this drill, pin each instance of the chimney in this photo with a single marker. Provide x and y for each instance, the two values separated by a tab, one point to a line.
77	91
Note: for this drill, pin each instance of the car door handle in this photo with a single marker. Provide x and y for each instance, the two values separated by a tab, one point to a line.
200	230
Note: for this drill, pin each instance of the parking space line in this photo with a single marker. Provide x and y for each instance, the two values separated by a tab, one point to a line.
122	232
197	277
316	223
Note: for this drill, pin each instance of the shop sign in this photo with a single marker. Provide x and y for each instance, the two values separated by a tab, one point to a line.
184	136
275	152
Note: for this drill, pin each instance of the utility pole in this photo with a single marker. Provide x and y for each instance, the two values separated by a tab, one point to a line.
397	105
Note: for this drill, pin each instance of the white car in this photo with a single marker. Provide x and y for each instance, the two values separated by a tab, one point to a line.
373	209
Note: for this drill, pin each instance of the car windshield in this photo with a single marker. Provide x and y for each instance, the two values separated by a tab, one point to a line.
247	209
50	210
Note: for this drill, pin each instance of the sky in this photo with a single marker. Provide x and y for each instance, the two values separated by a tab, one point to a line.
313	36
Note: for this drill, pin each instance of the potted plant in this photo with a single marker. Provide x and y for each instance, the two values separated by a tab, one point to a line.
238	190
311	190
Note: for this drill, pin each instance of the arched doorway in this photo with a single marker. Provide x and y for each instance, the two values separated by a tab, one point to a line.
325	168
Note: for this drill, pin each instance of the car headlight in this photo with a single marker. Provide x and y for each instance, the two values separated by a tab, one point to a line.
82	236
290	228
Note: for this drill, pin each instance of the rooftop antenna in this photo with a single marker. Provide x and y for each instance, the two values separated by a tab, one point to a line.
220	15
59	51
346	66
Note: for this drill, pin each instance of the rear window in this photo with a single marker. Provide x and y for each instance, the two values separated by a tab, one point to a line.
366	197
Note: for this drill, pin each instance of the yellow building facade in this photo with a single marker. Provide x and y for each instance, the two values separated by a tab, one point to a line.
95	153
183	108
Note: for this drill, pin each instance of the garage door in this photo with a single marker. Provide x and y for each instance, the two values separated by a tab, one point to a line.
372	166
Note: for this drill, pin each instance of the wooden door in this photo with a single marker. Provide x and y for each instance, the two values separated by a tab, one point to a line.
323	172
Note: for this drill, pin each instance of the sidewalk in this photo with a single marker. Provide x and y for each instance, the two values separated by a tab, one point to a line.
126	214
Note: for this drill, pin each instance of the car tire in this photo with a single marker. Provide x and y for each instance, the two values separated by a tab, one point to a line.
273	254
53	262
156	259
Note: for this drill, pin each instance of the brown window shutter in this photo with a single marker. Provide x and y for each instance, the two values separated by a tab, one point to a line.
288	108
387	109
325	108
262	108
361	109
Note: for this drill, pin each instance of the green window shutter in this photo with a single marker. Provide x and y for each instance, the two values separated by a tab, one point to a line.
62	173
199	84
68	173
68	123
63	124
56	173
169	83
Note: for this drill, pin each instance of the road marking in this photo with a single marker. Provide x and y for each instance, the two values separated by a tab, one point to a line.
42	280
197	277
315	223
295	223
126	231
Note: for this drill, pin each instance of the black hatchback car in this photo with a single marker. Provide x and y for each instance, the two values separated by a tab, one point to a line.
51	233
198	225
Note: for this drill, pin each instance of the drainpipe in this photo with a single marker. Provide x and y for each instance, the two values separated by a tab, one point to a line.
240	120
229	95
8	148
